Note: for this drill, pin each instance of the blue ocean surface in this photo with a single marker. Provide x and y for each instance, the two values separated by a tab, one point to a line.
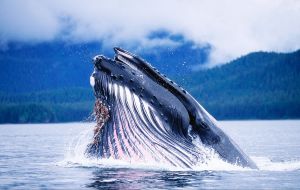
51	156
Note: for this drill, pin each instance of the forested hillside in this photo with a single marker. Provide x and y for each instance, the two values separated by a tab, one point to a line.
256	86
65	105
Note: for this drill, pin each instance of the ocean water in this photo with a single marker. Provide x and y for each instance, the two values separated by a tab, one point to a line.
50	156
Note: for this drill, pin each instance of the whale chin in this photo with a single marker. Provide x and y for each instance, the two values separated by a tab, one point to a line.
142	116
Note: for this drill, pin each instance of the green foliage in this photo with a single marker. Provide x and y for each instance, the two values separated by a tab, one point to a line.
26	113
256	86
73	104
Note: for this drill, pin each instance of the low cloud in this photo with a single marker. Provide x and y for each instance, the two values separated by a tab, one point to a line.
232	28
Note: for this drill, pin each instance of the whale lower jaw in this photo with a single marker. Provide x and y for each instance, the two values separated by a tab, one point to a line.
136	133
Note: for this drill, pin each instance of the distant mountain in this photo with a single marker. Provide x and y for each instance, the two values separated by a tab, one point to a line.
55	65
256	86
50	82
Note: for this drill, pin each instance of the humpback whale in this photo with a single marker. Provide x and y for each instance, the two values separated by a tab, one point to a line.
144	116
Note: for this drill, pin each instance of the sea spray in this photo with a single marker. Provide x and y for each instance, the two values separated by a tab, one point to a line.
75	157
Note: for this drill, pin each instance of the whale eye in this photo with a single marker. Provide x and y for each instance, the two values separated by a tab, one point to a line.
113	76
121	77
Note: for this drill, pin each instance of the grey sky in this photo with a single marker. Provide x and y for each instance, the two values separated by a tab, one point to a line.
233	28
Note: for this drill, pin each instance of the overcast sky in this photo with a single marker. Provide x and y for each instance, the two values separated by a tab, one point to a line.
233	28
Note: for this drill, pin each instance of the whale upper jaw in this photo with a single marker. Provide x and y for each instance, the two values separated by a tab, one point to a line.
143	101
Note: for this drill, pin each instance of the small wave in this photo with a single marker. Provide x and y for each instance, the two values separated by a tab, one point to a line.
75	157
211	165
215	164
266	164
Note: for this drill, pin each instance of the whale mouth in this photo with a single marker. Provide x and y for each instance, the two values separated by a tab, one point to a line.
142	116
138	119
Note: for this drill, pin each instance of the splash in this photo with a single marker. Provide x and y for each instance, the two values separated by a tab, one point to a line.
75	152
75	157
266	164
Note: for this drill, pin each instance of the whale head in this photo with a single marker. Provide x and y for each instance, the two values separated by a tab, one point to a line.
129	80
144	116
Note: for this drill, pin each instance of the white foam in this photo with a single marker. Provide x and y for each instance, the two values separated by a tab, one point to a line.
267	164
76	149
75	157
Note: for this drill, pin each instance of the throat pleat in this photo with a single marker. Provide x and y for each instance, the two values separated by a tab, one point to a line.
136	132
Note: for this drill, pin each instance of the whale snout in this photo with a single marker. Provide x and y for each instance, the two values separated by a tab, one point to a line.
97	60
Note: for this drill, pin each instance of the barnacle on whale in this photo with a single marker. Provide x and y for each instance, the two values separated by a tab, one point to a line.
101	113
